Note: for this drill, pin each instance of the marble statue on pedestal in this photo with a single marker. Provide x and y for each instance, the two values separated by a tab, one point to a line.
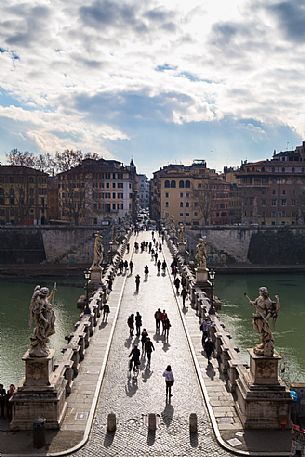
42	313
98	251
201	254
265	309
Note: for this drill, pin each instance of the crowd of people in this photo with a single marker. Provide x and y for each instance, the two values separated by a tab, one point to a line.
5	403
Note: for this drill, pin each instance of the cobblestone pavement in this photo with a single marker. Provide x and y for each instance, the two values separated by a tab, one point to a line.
132	400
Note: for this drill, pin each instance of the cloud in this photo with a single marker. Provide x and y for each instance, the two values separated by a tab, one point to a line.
291	19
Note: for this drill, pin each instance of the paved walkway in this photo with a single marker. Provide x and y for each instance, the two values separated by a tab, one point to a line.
132	400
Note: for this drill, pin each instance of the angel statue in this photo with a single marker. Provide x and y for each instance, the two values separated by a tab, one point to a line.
265	309
42	313
201	254
98	251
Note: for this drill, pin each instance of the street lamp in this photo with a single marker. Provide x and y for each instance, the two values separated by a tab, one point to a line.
87	274
212	277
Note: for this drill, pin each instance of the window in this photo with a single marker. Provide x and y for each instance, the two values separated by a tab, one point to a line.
1	196
181	214
120	185
181	194
166	204
107	185
187	214
166	194
187	204
263	202
113	195
195	214
173	184
187	184
181	184
283	202
283	192
273	202
167	184
273	192
181	204
113	185
113	205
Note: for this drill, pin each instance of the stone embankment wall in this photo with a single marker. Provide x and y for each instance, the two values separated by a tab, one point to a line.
51	245
239	245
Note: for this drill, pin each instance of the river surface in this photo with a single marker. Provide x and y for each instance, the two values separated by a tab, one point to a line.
15	298
289	333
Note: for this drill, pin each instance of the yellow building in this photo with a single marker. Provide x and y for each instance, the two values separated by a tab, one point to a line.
194	195
23	195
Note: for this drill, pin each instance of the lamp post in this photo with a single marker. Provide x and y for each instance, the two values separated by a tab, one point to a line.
212	277
87	274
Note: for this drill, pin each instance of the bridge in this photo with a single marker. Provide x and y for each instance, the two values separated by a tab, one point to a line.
202	417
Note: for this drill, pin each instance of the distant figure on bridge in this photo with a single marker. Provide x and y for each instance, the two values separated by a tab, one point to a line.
127	248
137	281
183	295
163	316
157	319
169	381
144	336
106	311
209	349
163	266
149	347
159	266
131	266
146	271
166	327
177	284
130	322
125	266
138	321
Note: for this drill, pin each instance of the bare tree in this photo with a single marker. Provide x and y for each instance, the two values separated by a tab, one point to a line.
19	158
204	200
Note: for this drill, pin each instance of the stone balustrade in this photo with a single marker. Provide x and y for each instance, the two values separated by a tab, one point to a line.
79	340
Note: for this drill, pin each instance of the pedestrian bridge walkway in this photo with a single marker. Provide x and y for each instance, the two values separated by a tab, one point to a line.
104	386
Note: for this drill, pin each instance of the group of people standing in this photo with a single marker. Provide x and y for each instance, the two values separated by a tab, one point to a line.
5	403
147	344
161	317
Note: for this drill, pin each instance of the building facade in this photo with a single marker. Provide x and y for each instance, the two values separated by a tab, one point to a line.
194	195
23	196
272	192
97	190
142	191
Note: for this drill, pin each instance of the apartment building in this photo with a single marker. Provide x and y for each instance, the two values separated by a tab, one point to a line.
272	192
23	196
194	195
97	190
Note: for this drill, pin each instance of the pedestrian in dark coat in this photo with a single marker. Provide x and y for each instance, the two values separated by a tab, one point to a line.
138	321
131	266
149	347
209	348
2	400
183	295
106	311
130	322
157	318
137	281
177	284
144	336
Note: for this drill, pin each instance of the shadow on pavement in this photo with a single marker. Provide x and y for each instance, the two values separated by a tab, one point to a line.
194	439
167	414
128	342
165	346
108	439
103	325
131	387
210	371
146	374
151	437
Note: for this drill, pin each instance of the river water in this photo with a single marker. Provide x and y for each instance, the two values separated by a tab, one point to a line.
14	331
289	331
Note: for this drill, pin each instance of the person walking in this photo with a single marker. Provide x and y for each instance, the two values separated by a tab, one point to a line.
166	326
183	281
177	284
149	347
157	318
204	328
128	248
130	322
163	316
121	265
135	357
169	381
109	283
163	266
137	281
144	336
106	311
131	266
159	266
138	322
125	266
9	405
156	257
209	349
2	400
146	272
183	295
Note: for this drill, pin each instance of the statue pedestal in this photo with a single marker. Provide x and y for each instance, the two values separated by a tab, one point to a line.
202	276
182	247
96	276
43	394
263	400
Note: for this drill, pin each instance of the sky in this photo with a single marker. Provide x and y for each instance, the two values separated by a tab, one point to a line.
159	81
